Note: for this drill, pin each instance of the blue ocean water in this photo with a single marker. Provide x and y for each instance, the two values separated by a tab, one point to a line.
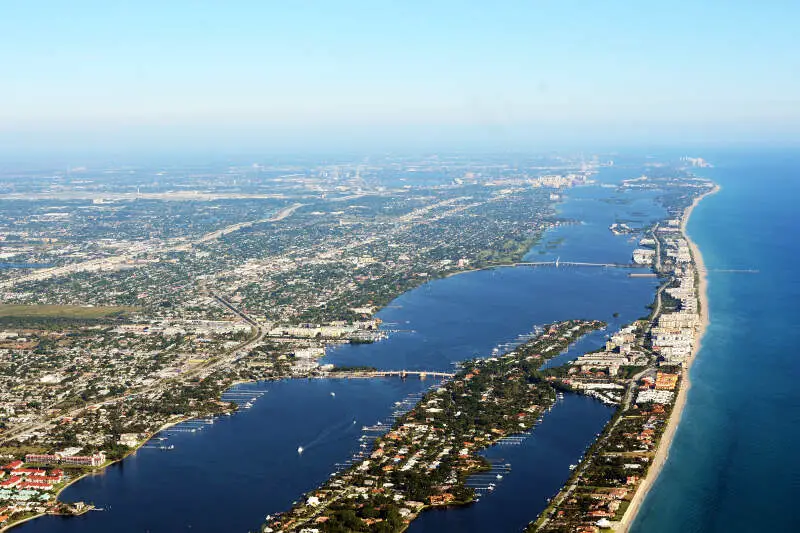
734	465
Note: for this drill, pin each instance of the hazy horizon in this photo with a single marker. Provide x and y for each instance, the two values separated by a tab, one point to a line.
90	77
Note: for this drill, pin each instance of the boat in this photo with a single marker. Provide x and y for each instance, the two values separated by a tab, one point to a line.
299	450
499	476
573	467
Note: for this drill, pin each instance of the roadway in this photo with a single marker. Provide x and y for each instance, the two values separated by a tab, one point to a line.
587	462
558	263
206	368
127	260
386	373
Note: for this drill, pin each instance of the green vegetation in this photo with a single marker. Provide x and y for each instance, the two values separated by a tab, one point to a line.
428	455
357	368
64	311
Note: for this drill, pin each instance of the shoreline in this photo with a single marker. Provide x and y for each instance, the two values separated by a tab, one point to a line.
662	454
468	270
100	470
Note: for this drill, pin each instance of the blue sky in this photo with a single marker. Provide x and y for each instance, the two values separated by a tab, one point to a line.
210	73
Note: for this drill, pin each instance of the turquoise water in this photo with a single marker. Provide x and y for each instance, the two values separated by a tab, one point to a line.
734	464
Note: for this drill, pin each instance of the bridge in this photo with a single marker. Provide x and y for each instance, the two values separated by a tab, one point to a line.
558	262
422	374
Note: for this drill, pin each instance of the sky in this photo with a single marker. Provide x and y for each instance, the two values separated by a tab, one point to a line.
261	74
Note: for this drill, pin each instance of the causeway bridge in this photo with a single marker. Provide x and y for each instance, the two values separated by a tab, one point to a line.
558	262
421	374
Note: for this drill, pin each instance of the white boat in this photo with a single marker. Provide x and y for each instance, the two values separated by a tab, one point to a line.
299	450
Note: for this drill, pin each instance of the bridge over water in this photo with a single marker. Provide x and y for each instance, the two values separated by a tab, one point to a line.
558	263
422	374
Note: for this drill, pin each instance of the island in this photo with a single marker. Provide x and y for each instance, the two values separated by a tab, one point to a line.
427	457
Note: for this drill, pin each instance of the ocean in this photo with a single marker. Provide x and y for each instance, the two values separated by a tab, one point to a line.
733	465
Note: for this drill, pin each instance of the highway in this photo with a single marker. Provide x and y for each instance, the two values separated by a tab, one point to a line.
127	260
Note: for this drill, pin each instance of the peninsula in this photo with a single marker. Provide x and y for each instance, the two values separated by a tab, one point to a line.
427	457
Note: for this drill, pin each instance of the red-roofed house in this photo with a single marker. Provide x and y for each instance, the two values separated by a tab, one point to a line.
36	484
30	472
13	481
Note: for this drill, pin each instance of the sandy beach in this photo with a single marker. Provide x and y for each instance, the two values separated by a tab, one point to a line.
680	403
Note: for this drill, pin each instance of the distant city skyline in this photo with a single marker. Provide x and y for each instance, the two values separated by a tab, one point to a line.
95	76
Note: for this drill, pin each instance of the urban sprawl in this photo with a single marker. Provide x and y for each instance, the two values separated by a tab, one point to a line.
132	299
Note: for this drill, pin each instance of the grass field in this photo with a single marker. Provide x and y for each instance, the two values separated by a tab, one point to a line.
61	311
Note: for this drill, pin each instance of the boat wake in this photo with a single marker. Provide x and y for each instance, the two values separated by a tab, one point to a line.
329	434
